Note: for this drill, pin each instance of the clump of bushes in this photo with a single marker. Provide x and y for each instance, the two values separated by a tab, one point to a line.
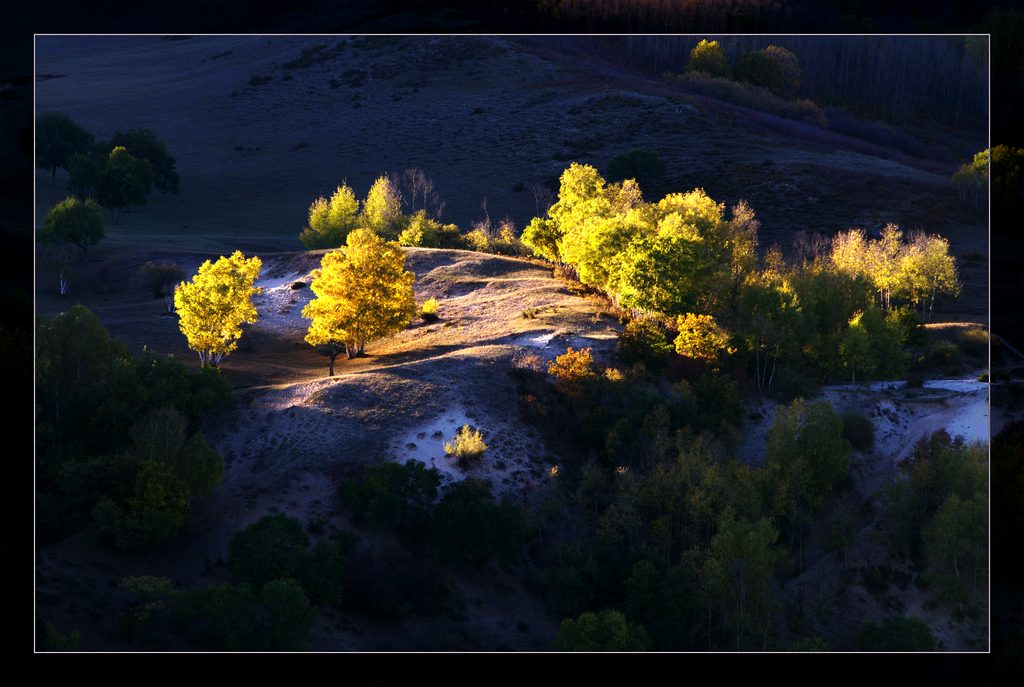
946	356
428	311
644	341
393	495
470	527
572	367
896	634
161	278
858	430
754	97
973	342
467	444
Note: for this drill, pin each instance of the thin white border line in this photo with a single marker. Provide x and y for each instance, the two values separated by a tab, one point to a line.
35	209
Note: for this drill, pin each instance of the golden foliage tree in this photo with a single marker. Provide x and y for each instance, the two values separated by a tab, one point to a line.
330	221
363	292
701	337
382	209
213	307
571	368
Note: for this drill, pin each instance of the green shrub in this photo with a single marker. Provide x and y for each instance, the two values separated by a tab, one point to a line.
905	319
289	616
759	69
161	277
754	97
421	231
644	341
810	644
394	495
896	634
470	527
274	547
973	342
946	356
221	616
604	631
323	573
858	430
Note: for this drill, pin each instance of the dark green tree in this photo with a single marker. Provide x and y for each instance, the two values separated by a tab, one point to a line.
221	616
144	145
123	182
393	495
469	527
273	547
896	634
708	56
759	69
289	617
57	139
73	221
604	631
323	573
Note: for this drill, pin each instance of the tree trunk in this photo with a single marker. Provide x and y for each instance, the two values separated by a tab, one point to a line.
330	365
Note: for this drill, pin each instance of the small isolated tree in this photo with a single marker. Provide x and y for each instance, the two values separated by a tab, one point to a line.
161	278
57	139
330	221
124	181
213	307
382	209
709	57
363	293
73	221
144	145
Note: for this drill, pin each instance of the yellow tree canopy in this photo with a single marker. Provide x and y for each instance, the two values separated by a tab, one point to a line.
363	293
382	209
213	307
702	338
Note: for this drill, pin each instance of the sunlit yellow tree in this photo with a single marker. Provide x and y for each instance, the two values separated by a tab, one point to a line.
213	307
363	292
382	209
330	221
702	338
